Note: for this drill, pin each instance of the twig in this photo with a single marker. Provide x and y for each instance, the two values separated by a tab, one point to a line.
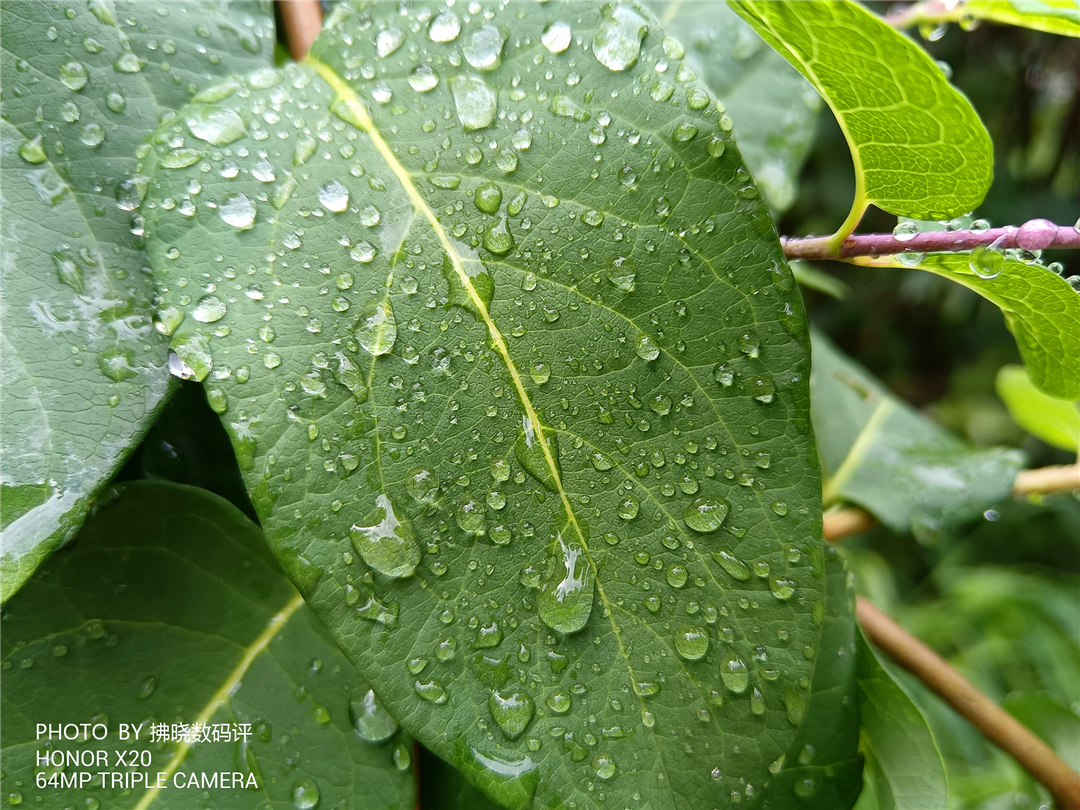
1036	234
932	11
840	523
302	21
997	725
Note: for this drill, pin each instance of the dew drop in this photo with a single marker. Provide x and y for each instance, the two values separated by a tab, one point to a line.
628	508
734	674
209	309
565	599
305	794
385	541
986	262
376	330
216	126
905	231
475	101
237	210
483	49
617	43
372	722
705	514
621	273
604	766
422	484
512	712
556	37
73	75
735	567
646	348
691	643
388	40
32	151
334	196
444	27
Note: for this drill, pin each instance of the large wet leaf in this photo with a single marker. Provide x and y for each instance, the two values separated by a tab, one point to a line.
518	377
773	109
880	453
904	769
1040	307
169	608
918	146
1055	421
83	84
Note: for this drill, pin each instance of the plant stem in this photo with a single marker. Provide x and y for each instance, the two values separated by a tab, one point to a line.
997	725
884	244
302	20
840	523
929	11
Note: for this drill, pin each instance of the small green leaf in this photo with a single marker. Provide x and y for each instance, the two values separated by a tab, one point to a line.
1053	16
569	388
880	453
1055	421
918	146
83	84
809	276
169	608
1040	307
773	109
904	769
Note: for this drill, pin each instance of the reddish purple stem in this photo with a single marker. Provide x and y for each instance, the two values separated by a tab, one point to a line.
1037	234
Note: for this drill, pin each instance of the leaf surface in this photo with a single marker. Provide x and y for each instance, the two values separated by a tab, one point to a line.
904	770
1055	421
773	109
918	146
880	453
170	608
83	84
1053	16
1041	309
518	378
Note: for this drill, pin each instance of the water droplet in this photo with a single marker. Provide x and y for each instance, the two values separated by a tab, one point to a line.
422	484
476	102
905	231
73	75
805	788
617	43
334	196
512	712
691	643
386	542
604	766
497	238
237	210
128	63
540	372
92	135
423	78
376	330
372	722
469	514
216	126
646	348
1036	234
705	514
628	508
757	702
305	794
684	132
209	309
782	588
431	691
483	49
677	575
116	363
734	674
389	40
32	151
621	273
733	565
566	597
556	37
986	262
488	198
190	358
444	27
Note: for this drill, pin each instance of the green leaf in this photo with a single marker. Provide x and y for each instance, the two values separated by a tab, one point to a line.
508	356
773	109
918	146
170	608
1040	307
1055	421
1052	16
809	276
881	454
823	766
83	83
442	787
904	770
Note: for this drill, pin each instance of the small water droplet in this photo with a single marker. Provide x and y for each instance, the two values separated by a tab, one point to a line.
645	348
32	151
986	263
604	766
483	49
621	273
512	712
905	231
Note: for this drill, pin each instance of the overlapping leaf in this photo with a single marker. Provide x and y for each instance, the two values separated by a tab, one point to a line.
918	147
170	609
773	108
83	84
1040	307
504	338
1055	421
879	453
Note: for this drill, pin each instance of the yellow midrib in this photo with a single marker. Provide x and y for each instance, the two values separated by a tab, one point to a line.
357	108
251	652
858	449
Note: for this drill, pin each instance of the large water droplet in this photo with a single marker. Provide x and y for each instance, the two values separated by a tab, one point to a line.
565	599
733	565
423	78
905	231
691	643
92	135
604	766
116	363
32	151
556	37
377	329
1036	234
305	794
371	721
512	712
497	238
422	484
73	75
209	309
444	27
986	263
216	126
128	63
621	273
389	40
386	542
476	102
646	348
334	196
529	452
734	674
190	358
431	691
705	514
488	198
238	210
618	41
483	49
